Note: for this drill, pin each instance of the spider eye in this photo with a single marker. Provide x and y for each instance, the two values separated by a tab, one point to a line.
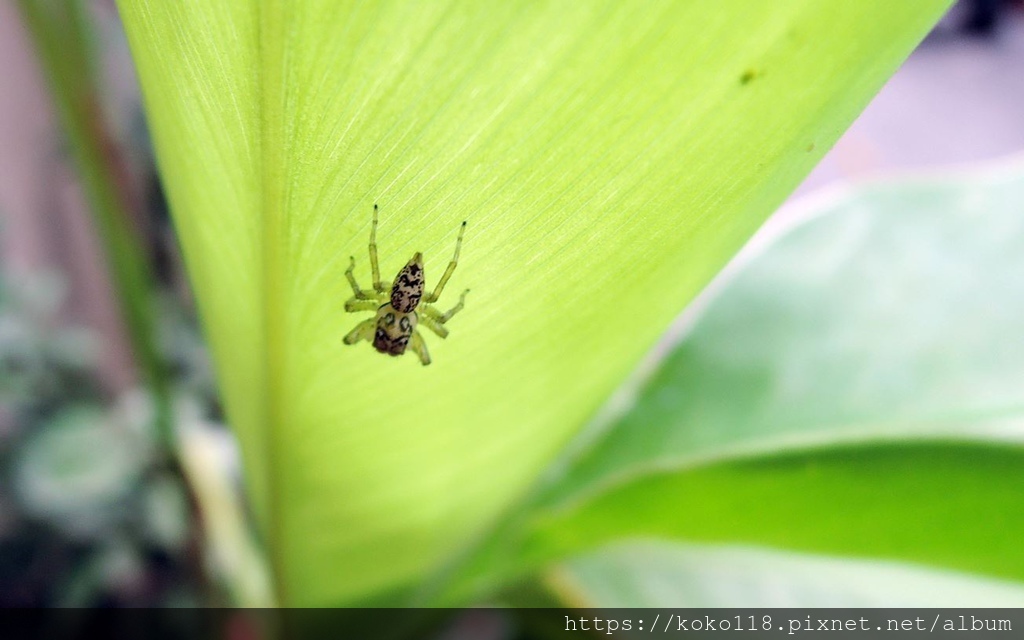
389	319
405	324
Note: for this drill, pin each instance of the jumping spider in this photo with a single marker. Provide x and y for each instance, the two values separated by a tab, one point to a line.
394	327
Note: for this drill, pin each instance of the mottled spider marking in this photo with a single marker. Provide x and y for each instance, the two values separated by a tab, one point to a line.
394	329
408	287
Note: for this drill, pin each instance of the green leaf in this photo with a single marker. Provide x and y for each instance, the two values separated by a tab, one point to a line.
853	389
663	574
78	471
609	158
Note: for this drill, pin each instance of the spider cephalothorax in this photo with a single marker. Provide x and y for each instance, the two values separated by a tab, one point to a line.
393	329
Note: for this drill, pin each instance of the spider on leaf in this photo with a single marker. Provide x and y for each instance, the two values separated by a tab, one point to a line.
402	308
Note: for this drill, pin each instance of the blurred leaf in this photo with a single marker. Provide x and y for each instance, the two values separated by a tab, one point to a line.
856	388
229	545
121	566
21	361
664	574
38	295
609	158
166	514
78	469
42	360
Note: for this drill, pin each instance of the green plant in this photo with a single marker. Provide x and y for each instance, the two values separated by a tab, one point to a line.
609	157
98	509
850	387
91	515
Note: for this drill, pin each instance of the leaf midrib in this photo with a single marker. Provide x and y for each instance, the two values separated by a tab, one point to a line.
270	84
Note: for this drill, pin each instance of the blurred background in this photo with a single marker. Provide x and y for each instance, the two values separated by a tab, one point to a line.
91	512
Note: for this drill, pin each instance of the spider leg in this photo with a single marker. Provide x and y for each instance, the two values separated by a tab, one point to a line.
447	272
360	294
420	347
442	318
378	286
357	304
363	331
429	319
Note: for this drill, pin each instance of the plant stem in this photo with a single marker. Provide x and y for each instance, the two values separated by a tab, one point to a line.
59	32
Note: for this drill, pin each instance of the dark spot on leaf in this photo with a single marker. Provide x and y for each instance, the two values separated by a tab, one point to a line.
748	76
